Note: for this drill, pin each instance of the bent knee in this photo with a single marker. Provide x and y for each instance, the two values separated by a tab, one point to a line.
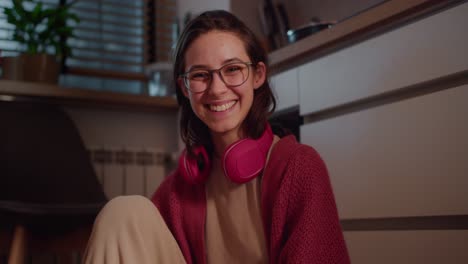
128	203
123	209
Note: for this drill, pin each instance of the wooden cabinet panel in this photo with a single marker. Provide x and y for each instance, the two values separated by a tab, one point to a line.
426	49
411	247
408	158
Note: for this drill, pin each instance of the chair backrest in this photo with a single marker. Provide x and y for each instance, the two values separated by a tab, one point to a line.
43	161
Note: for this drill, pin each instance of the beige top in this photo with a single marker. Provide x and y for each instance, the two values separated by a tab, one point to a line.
234	229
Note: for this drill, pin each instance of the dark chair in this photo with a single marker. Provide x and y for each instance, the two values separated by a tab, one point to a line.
48	186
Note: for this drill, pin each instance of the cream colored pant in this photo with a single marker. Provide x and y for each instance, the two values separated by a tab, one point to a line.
129	229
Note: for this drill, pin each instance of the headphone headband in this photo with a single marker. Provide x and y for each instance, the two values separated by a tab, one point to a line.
242	161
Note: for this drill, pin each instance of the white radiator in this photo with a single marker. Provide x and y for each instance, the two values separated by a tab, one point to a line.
129	171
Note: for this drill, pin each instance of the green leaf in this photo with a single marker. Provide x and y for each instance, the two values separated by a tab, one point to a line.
18	37
22	25
43	27
74	17
8	11
18	7
36	14
11	16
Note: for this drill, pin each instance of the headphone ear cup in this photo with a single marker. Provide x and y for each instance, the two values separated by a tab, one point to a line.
246	158
243	161
195	170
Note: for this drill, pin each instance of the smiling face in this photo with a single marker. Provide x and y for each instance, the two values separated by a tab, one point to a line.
222	108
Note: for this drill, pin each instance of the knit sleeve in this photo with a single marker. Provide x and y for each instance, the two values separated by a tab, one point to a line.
183	208
310	228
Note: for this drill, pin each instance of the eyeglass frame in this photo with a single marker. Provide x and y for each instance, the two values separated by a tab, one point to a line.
218	71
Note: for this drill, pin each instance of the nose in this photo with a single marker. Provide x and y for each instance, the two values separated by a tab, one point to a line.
216	84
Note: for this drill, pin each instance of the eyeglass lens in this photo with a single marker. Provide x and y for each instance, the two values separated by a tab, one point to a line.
233	74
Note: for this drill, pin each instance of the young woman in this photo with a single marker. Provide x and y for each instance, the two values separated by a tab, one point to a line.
240	193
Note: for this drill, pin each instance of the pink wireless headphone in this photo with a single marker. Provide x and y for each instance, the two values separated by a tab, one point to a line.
242	160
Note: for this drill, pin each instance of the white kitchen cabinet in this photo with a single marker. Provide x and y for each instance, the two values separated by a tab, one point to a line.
408	158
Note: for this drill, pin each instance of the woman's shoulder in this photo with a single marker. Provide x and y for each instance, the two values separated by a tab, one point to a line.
295	171
290	150
291	161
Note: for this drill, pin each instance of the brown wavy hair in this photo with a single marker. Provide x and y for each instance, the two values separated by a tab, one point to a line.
193	131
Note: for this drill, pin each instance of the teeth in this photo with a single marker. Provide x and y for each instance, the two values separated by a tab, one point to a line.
220	108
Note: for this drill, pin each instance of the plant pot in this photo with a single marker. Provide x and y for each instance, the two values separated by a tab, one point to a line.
40	68
12	68
31	68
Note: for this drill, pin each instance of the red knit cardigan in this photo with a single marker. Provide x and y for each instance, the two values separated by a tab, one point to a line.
300	219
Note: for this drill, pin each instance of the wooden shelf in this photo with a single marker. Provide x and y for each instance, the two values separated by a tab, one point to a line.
17	90
380	19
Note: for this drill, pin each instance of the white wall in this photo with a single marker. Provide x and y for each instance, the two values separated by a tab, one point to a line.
248	12
125	128
301	11
134	132
196	7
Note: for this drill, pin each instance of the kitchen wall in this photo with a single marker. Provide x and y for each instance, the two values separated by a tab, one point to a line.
131	150
126	128
196	7
299	12
248	12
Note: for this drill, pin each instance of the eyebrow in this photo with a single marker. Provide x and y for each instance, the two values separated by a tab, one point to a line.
201	66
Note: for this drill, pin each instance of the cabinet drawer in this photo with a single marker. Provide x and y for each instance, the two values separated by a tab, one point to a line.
408	158
411	247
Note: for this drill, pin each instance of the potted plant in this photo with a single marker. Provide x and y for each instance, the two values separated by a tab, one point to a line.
42	32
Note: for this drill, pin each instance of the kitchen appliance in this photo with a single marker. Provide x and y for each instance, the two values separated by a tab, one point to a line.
294	35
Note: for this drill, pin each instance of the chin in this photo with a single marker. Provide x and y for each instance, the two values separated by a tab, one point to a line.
223	127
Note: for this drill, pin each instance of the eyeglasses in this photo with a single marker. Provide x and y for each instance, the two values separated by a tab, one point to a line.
232	74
